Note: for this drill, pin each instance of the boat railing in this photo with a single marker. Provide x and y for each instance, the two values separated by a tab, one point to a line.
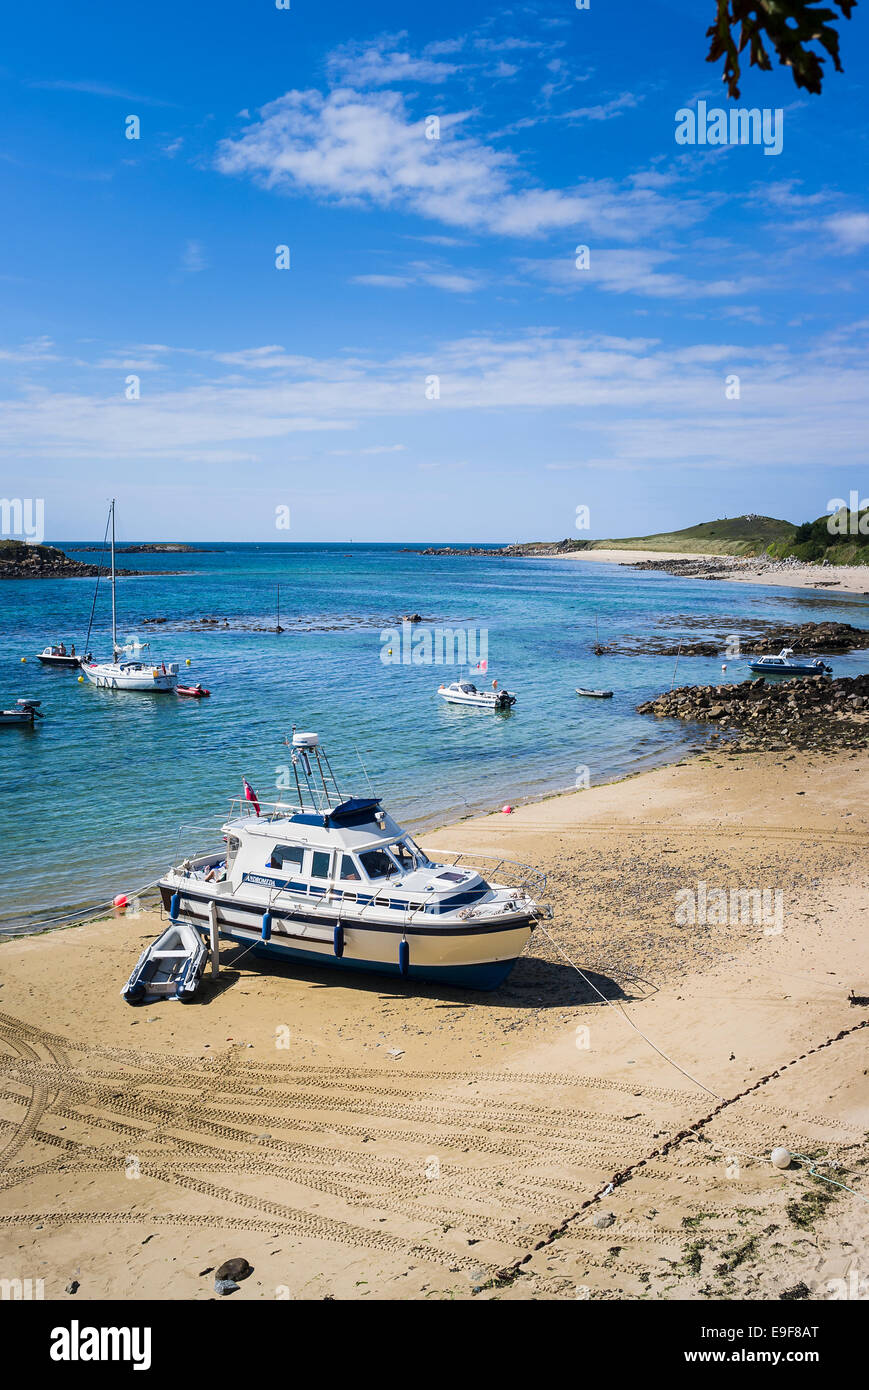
531	881
240	807
208	835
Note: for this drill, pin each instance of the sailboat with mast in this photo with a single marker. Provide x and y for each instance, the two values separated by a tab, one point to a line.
124	671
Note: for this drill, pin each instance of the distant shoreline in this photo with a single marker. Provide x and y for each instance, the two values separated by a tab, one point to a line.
754	569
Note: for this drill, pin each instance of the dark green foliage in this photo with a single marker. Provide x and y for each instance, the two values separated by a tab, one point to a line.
789	26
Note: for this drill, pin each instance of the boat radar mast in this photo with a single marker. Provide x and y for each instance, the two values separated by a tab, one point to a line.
316	783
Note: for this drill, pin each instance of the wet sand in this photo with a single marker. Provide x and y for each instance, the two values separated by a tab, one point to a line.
361	1137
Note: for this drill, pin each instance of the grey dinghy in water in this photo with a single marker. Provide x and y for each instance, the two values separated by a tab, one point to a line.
595	694
171	965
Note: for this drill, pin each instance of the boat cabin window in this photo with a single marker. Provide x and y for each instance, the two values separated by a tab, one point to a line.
378	864
404	854
286	857
320	861
420	858
468	689
348	868
232	845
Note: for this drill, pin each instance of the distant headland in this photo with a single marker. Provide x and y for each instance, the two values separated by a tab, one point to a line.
838	539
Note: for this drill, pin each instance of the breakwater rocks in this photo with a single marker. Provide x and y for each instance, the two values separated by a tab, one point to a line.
815	713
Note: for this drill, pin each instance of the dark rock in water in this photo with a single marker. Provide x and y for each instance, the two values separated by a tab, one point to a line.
813	637
234	1269
798	1291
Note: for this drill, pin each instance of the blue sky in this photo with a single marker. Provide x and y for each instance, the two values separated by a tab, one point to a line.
413	257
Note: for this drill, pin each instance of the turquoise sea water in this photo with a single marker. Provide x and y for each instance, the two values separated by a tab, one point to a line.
94	796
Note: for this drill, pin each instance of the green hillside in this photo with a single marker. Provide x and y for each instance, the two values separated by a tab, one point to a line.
846	544
737	535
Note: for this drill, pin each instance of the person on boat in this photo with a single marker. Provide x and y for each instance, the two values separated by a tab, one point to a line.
61	650
72	650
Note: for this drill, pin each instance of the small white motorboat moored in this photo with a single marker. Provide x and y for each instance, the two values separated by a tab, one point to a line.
172	965
786	664
595	694
466	693
59	657
25	712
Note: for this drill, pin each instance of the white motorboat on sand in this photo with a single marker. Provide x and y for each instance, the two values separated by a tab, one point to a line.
326	879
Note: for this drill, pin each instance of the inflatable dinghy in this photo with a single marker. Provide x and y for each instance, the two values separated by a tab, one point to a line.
172	965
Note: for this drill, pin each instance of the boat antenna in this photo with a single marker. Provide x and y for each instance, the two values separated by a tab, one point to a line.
114	617
364	769
96	589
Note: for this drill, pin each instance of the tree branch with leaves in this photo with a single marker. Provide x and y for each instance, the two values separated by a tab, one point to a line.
789	26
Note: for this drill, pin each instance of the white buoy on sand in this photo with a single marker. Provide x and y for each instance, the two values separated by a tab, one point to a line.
781	1158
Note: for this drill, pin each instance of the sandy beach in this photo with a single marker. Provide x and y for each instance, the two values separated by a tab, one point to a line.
851	579
364	1138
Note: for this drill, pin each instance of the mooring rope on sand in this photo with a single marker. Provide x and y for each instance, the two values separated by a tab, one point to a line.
78	914
616	1004
508	1274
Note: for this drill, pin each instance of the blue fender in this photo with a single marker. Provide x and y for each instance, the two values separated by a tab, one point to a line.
338	940
403	958
174	905
267	926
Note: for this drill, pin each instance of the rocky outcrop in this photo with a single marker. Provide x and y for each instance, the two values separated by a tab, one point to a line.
507	552
814	713
813	637
22	561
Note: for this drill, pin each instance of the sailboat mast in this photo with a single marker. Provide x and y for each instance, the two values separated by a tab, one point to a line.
114	616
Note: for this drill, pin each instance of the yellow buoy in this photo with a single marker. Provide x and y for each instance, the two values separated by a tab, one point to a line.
188	661
80	680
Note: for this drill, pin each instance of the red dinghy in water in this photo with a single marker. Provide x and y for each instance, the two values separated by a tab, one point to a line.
195	691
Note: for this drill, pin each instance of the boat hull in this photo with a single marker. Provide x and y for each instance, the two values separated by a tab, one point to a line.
788	670
498	703
61	662
472	956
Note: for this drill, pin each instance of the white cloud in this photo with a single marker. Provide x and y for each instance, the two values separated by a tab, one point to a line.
605	111
193	259
634	270
423	273
37	350
851	229
380	63
365	149
636	402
